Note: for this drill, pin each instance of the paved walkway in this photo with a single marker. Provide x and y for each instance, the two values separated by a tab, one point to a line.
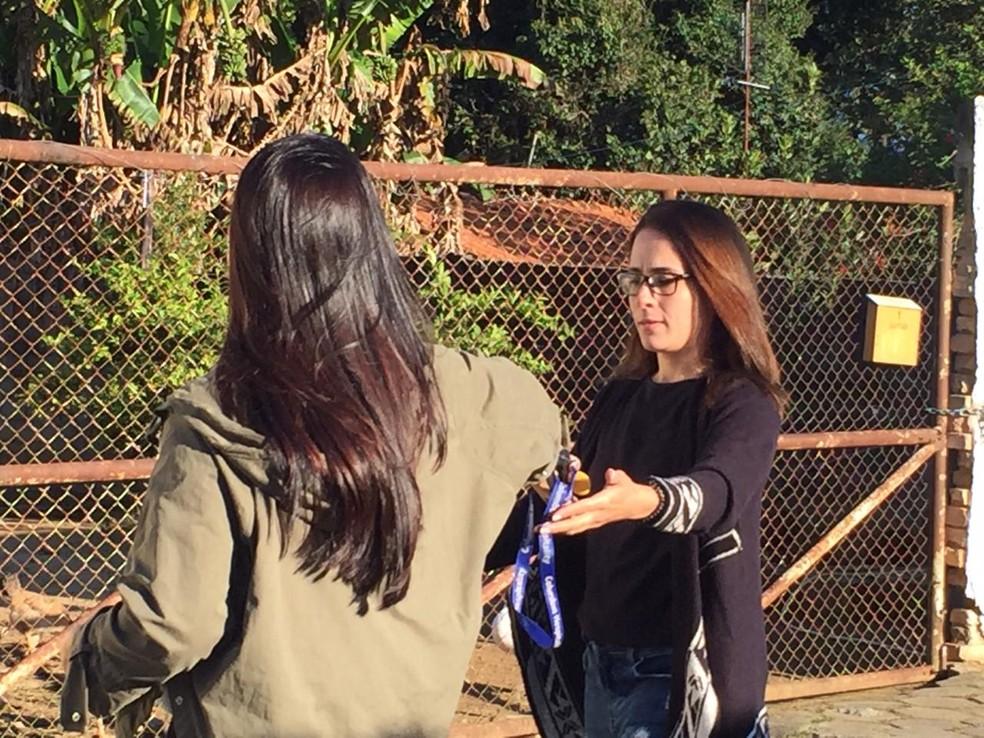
952	707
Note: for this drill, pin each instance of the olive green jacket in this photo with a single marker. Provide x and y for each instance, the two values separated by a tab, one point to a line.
243	645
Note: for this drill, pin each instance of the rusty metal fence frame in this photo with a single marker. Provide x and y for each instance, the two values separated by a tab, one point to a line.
929	441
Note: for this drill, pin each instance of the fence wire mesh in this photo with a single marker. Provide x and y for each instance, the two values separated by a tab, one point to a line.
862	608
112	294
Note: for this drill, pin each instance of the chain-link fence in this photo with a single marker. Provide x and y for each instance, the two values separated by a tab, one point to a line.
112	293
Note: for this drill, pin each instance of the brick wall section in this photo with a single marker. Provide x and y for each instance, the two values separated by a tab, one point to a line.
965	633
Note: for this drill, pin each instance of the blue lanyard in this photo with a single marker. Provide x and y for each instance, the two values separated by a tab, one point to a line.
560	492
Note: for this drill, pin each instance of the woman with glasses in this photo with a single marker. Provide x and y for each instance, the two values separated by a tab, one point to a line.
309	557
678	446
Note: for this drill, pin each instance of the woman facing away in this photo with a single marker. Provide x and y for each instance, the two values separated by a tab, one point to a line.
309	557
663	571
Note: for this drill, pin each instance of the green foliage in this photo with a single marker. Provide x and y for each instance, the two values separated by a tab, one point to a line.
858	91
149	314
232	53
652	87
137	327
110	73
152	27
84	42
815	246
484	321
897	72
128	95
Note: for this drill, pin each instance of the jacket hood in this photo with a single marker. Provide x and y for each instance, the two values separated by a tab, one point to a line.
196	404
242	448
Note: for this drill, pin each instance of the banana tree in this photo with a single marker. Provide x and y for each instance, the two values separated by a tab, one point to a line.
229	75
358	74
85	47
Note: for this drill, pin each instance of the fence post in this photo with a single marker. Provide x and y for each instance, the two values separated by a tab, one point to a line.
937	605
967	499
146	202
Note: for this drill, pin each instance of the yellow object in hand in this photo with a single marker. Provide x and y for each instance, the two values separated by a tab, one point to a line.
582	484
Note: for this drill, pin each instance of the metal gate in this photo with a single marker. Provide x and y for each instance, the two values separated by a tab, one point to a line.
854	512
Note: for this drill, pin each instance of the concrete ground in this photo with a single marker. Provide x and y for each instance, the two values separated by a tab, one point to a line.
950	707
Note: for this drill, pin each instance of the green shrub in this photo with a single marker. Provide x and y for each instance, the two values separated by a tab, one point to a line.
140	323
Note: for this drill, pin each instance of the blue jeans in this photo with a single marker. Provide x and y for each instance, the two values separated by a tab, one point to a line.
626	691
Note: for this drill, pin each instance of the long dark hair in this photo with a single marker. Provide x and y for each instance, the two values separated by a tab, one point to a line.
327	355
715	252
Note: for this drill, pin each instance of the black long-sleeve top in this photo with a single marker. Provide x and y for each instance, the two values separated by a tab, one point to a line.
691	578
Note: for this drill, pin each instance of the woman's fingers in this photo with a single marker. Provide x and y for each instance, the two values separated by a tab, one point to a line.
580	516
573	526
581	507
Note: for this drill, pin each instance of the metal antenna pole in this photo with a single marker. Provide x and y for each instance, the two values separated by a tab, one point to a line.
747	34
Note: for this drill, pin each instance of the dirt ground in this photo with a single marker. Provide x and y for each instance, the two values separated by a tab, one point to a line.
38	560
493	686
492	689
30	707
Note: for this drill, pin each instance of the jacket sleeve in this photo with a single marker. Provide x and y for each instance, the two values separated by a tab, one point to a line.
524	428
732	468
173	587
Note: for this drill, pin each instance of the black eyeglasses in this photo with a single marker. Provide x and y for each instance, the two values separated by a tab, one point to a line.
660	283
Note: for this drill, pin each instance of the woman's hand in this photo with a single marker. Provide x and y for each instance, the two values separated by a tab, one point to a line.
620	499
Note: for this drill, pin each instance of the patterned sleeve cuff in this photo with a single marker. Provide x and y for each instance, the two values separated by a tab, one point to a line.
682	499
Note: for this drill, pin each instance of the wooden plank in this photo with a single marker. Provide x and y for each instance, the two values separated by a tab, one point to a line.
848	524
779	689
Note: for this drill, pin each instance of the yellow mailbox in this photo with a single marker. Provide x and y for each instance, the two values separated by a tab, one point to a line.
891	334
